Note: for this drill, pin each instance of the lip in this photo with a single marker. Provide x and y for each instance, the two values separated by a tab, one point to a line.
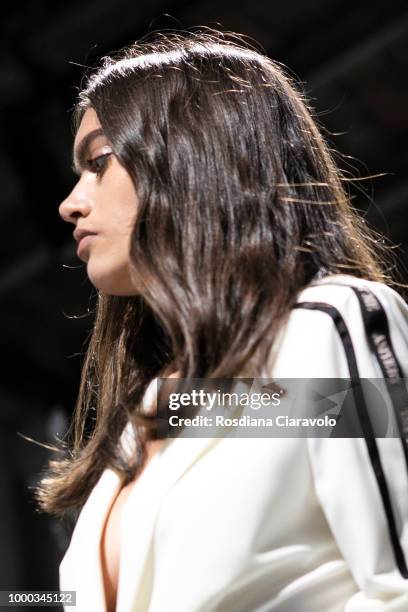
83	238
84	244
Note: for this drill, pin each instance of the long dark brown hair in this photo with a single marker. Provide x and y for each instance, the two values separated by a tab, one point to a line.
240	206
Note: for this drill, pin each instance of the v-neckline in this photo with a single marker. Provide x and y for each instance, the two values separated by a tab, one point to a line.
108	541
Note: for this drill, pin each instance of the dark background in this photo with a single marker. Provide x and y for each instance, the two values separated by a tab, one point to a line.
352	59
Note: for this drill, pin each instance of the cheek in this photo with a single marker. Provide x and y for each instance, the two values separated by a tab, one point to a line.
111	252
109	261
119	233
119	229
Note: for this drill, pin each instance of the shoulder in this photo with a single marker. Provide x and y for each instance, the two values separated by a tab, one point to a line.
345	291
330	325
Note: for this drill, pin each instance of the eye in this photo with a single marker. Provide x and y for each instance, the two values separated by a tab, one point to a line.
98	164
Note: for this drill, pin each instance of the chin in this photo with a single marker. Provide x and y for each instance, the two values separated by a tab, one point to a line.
111	281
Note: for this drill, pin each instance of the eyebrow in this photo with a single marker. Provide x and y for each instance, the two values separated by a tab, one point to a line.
81	153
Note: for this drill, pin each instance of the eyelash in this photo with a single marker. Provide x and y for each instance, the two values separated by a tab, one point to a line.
94	168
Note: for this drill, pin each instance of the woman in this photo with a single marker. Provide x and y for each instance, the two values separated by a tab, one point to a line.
214	224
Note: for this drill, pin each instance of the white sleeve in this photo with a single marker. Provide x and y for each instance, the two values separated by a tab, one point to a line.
362	485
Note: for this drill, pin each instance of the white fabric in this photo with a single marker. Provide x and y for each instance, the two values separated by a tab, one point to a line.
261	524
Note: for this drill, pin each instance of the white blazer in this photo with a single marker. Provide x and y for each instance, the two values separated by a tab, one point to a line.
267	524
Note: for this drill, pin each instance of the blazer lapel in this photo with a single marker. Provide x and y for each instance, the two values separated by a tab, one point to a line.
80	569
140	514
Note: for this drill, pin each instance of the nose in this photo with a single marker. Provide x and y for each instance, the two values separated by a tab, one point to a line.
76	204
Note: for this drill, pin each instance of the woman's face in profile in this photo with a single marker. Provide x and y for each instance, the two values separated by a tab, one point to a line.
103	203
